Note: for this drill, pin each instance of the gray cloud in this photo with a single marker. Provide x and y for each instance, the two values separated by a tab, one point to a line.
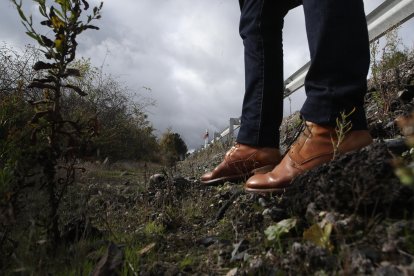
188	52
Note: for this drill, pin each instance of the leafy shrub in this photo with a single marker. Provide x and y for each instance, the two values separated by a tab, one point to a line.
55	140
173	148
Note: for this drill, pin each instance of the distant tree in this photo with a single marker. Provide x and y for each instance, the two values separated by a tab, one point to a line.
124	129
173	147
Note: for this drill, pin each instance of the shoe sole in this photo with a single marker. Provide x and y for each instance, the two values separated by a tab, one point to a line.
222	180
238	178
275	191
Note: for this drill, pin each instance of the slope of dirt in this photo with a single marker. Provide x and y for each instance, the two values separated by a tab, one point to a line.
357	194
351	216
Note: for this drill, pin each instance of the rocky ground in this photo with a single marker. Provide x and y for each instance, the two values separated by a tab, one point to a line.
351	216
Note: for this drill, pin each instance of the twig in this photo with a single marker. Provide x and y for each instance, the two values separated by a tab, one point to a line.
223	209
405	253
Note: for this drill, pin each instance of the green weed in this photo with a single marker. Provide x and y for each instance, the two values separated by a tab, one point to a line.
343	126
154	228
274	232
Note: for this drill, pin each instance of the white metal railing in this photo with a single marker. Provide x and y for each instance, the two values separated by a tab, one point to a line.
388	15
228	132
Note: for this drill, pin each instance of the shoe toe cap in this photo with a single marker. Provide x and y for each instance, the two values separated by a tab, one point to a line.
257	181
207	176
267	183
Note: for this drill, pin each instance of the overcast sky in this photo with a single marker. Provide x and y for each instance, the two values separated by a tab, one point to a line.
187	51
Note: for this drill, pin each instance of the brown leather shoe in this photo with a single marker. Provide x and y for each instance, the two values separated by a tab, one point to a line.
241	162
313	148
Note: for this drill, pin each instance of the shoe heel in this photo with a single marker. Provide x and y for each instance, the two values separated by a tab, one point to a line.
263	170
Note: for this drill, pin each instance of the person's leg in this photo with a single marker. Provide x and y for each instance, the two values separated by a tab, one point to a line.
336	82
339	49
261	26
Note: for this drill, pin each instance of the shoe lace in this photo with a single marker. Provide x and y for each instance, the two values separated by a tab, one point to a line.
298	132
233	149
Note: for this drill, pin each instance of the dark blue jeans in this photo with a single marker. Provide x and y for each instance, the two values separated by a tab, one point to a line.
336	81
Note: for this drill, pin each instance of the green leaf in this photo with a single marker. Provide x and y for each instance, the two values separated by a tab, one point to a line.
90	27
319	236
42	11
42	3
59	13
22	16
85	4
40	65
284	226
46	23
47	42
45	80
405	174
57	22
65	4
32	35
59	43
40	85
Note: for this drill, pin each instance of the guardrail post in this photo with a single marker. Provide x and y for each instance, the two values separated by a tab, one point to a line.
233	122
216	136
231	129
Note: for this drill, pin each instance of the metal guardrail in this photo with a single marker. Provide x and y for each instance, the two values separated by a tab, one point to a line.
388	15
228	132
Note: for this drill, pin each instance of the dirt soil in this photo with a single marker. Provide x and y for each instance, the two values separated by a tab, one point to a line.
351	216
